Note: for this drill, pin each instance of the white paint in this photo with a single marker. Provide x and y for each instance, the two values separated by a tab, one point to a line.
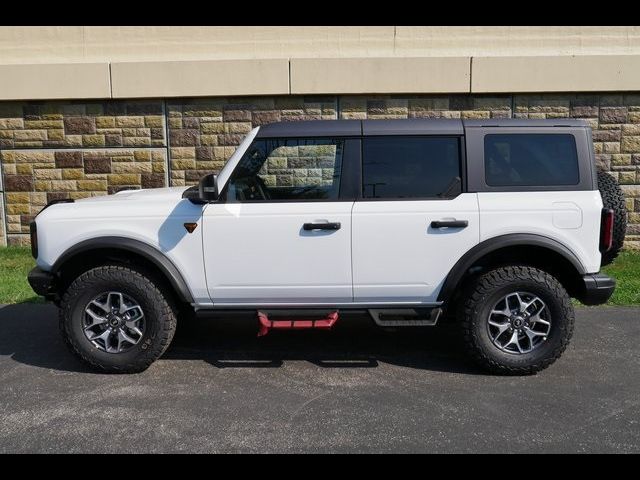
533	212
259	253
397	256
155	217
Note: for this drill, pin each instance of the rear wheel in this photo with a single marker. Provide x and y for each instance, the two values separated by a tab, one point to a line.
116	319
516	320
613	198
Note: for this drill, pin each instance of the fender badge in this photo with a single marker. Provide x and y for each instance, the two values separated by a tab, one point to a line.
190	227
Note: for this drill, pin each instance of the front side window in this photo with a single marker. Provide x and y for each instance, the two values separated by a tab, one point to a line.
411	167
288	169
530	160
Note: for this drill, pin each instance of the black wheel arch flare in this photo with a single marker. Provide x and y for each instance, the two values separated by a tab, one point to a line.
459	270
145	250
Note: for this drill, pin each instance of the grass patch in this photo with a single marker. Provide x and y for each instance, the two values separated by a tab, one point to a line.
626	270
15	263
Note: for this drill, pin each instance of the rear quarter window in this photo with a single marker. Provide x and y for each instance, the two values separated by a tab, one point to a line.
530	160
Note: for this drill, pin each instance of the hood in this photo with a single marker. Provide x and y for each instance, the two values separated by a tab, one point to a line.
151	194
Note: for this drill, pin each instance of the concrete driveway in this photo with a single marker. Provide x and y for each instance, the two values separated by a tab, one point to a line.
356	389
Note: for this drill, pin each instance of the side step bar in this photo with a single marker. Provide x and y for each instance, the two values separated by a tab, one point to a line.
266	324
405	317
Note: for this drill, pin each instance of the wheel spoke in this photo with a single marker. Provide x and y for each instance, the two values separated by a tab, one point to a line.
101	306
123	337
119	304
533	334
537	319
521	304
135	313
502	327
137	331
104	336
514	341
96	319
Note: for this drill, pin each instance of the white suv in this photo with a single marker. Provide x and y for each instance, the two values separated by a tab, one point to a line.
494	224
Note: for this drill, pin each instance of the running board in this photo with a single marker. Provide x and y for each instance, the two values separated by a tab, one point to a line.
405	317
325	322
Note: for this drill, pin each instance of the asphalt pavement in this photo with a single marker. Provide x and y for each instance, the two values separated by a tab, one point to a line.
219	388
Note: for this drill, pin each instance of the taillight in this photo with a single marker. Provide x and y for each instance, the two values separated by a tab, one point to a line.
34	239
606	230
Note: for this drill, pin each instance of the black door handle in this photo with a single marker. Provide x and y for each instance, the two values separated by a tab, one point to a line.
322	226
449	224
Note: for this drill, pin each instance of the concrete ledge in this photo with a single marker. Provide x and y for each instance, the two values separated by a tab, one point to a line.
200	78
54	81
332	76
380	75
587	73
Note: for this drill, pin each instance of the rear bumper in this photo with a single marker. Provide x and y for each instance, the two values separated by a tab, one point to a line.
43	283
598	288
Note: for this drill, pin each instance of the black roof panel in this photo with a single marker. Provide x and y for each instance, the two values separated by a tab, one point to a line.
410	126
413	126
526	122
311	128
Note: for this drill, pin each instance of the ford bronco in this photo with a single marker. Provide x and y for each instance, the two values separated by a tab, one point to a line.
492	224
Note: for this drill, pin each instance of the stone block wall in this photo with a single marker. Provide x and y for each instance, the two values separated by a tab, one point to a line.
56	149
204	133
32	178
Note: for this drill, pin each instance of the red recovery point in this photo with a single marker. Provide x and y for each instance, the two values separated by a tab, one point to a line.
266	324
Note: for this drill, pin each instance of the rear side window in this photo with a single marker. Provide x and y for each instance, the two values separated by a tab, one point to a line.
530	160
411	167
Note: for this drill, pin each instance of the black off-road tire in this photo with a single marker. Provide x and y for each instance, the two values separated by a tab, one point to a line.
481	295
612	197
159	314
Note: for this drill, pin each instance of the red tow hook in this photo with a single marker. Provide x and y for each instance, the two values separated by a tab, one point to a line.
266	324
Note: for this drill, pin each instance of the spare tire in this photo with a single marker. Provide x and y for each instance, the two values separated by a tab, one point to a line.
612	197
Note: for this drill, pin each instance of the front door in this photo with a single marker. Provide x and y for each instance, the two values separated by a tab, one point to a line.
280	233
413	222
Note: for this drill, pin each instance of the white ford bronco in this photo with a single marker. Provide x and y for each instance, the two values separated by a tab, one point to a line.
492	224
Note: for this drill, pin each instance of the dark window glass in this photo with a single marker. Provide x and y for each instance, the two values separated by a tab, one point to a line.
411	167
530	160
288	169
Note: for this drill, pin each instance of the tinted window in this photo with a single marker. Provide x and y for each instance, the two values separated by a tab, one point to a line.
288	169
530	160
405	167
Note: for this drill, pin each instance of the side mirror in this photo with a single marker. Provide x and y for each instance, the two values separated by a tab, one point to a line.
208	188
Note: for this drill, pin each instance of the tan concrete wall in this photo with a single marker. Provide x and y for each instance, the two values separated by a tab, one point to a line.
200	78
55	81
147	62
589	73
115	44
380	75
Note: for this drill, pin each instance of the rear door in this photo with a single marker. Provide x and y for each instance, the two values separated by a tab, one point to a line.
413	221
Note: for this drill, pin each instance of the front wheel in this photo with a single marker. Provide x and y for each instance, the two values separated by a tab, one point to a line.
516	320
116	319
